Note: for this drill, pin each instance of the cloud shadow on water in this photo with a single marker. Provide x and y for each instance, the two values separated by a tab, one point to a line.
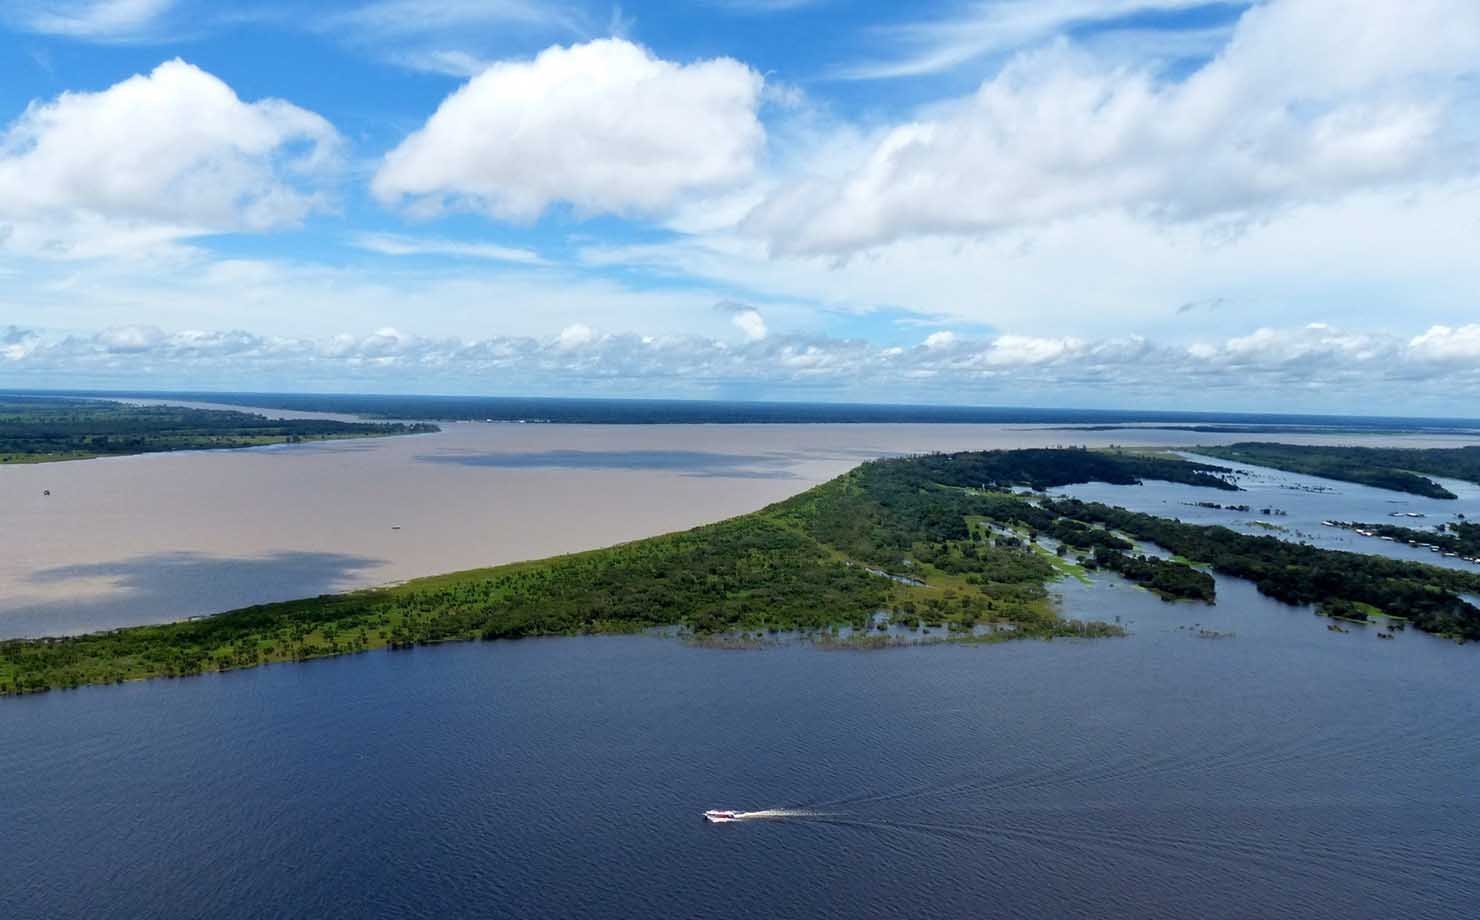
173	586
684	462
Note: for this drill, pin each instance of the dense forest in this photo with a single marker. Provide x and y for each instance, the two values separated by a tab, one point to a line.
1047	468
42	429
1399	469
914	541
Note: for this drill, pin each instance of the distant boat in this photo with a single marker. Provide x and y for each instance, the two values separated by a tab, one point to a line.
716	816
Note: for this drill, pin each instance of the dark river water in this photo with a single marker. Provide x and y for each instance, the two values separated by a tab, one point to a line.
1283	771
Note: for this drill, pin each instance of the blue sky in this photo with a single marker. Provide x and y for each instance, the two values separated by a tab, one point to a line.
1158	203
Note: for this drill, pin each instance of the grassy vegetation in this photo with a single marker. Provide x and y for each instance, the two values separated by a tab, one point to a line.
1399	469
45	429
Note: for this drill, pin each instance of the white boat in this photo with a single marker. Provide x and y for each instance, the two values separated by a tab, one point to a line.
718	816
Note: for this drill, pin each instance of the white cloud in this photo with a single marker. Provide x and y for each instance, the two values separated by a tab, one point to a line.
1288	369
605	127
98	20
389	244
16	343
1013	350
751	324
1309	101
938	340
746	318
1448	344
575	336
158	157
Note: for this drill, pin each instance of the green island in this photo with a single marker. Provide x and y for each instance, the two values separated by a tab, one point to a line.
49	429
1398	469
940	541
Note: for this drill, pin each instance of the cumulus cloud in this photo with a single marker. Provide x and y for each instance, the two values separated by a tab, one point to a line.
1281	369
574	336
746	318
16	343
1013	350
1447	344
939	340
1310	100
605	127
166	155
751	324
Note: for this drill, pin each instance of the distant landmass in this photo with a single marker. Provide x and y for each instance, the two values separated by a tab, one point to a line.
684	411
43	429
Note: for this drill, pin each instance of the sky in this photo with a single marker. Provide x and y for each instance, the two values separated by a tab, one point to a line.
1094	203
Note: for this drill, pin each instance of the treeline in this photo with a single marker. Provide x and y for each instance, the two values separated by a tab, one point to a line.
1048	468
1428	596
33	429
1394	468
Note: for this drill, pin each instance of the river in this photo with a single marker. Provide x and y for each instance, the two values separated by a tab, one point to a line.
1284	770
1221	761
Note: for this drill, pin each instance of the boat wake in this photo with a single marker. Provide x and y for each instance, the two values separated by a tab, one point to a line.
721	816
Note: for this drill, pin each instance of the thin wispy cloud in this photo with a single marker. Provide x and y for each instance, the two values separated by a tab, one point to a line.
766	6
453	37
992	27
388	244
421	17
95	20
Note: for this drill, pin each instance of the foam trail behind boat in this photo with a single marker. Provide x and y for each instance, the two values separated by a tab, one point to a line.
776	813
